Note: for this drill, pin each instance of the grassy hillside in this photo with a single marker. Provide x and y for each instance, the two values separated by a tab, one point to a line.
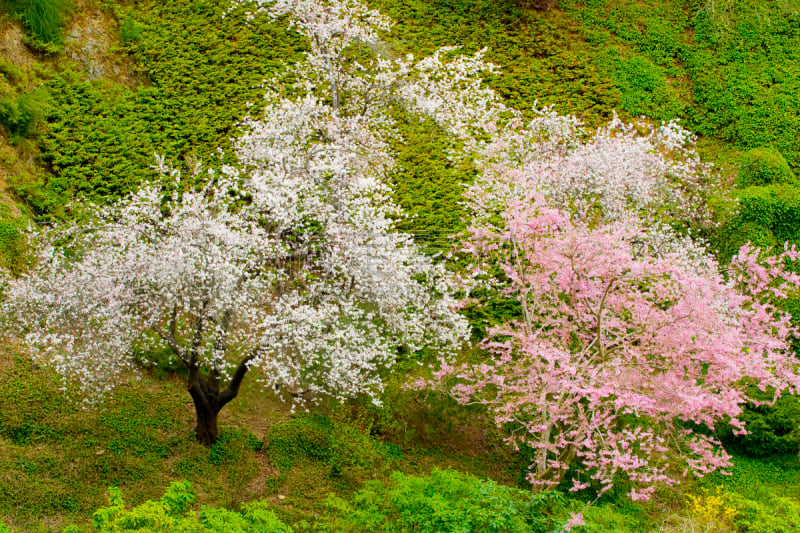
176	77
58	460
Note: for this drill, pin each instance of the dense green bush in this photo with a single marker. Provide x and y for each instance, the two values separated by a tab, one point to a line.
130	30
643	86
745	73
428	184
171	514
763	511
731	69
773	429
619	517
23	114
768	215
443	501
534	50
301	438
764	166
43	19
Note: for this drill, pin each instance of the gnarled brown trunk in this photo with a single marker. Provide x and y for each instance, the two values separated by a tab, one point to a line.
205	389
209	400
206	428
205	394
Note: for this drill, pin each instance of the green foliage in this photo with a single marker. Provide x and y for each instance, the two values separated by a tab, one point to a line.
643	86
13	244
54	457
232	446
27	401
171	514
763	511
764	493
764	166
427	184
343	448
23	114
130	30
43	19
10	71
748	475
443	501
773	429
767	216
234	454
133	426
730	68
203	70
620	517
747	74
301	438
535	51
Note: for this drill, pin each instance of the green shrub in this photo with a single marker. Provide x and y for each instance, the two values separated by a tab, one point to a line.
22	115
203	69
764	166
614	518
536	52
644	88
443	501
301	438
768	215
130	30
773	429
9	70
171	514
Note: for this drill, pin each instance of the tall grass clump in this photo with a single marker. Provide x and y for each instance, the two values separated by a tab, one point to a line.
44	20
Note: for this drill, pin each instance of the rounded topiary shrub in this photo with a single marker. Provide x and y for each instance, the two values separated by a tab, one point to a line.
764	166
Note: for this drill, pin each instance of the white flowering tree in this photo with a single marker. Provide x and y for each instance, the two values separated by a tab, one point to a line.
290	266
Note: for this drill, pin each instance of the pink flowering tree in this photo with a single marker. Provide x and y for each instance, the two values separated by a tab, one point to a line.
621	348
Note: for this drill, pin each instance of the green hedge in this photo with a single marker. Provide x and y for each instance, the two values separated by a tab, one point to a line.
23	114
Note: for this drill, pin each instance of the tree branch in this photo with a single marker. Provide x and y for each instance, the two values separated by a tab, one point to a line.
169	338
232	390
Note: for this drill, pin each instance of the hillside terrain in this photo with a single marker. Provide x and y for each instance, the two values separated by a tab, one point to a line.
91	91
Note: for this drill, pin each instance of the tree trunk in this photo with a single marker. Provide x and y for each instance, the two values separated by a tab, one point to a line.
206	428
205	394
209	400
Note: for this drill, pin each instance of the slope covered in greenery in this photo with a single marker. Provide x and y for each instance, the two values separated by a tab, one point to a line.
730	69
